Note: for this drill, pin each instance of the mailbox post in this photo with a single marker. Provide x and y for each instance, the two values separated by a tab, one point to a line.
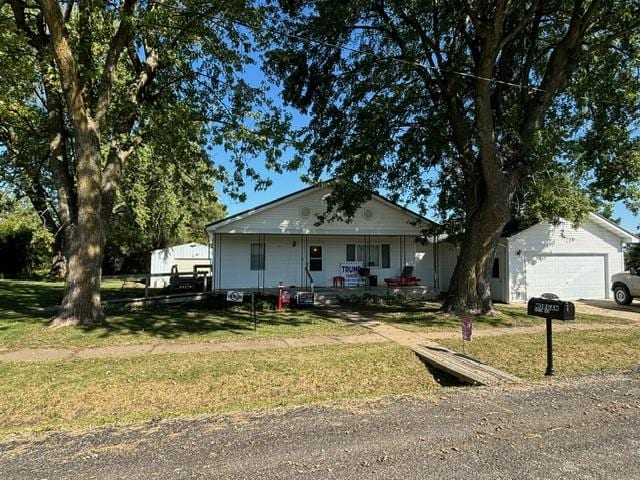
549	371
550	309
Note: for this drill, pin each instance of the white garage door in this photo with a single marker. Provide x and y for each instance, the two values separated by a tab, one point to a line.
568	276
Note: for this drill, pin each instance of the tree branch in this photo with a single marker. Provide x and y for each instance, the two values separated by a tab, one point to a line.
66	63
121	39
120	151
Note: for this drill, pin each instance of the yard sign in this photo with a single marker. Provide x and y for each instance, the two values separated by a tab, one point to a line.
234	296
349	270
467	327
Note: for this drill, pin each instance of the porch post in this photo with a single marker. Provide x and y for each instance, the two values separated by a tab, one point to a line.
258	269
264	256
219	249
212	256
436	263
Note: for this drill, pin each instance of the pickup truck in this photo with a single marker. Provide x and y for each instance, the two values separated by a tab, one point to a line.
626	286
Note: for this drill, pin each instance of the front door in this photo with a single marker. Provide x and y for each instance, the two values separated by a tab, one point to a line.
315	264
499	275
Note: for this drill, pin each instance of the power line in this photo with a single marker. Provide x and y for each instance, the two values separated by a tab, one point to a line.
382	57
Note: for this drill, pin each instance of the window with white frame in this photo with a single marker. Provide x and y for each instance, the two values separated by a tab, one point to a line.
374	256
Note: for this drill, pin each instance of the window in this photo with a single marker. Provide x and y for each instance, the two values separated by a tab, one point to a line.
315	258
257	256
351	252
386	255
495	271
378	255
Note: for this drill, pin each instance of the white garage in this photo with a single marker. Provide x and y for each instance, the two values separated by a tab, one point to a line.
571	262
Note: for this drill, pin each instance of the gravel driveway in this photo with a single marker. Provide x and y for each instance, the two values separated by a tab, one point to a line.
580	428
610	308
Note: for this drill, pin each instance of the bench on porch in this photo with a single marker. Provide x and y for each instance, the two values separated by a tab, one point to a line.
406	279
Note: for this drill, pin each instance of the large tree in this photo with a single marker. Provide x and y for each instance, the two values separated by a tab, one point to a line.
99	74
467	105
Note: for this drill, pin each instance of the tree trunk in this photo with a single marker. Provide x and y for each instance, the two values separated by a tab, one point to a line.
81	302
470	285
58	268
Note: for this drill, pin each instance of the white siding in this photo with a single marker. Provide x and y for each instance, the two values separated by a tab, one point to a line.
543	239
447	259
284	261
425	264
287	218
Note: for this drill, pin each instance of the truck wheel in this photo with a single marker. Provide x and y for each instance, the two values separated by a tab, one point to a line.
621	295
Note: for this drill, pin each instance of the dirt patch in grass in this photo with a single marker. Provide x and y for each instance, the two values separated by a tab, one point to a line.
578	352
103	391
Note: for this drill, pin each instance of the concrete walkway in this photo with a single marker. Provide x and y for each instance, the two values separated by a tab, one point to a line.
380	332
40	354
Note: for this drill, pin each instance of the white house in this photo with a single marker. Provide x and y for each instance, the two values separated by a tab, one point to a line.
278	243
184	256
273	243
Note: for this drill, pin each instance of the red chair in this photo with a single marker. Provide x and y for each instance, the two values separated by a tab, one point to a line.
338	281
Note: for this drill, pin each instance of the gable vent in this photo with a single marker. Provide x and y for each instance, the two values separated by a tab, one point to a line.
305	212
367	213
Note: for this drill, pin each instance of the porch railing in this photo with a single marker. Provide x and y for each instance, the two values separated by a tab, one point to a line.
306	269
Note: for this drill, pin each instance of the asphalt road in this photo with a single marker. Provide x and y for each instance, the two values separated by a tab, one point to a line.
580	428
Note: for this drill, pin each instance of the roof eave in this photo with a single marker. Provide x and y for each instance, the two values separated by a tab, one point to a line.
625	235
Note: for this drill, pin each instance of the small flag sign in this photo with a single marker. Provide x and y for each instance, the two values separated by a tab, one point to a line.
467	327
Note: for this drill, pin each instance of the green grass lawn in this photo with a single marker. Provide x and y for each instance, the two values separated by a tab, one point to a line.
47	395
24	325
574	352
427	317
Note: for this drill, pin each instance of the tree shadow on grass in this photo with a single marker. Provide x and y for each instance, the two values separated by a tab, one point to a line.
23	302
175	321
27	298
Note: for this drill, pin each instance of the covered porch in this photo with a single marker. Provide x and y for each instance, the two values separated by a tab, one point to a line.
264	262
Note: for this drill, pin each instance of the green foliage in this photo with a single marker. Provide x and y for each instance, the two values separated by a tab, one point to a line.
25	246
164	200
632	257
196	125
398	107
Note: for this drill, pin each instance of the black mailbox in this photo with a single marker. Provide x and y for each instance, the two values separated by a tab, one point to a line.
553	309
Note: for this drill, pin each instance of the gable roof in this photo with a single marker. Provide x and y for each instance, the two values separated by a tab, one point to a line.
516	227
300	193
